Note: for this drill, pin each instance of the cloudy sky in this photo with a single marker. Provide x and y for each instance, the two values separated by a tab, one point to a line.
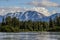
51	6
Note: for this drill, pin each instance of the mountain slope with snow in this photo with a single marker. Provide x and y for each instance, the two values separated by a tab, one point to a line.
24	14
28	15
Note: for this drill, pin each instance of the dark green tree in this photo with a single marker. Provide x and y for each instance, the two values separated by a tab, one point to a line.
51	23
57	21
15	22
8	20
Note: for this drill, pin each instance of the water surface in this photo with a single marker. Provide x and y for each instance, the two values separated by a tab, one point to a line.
30	36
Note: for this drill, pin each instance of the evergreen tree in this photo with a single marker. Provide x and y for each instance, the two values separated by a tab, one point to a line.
8	20
57	23
15	22
44	25
51	23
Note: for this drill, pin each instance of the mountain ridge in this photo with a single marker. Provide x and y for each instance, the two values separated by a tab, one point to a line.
30	15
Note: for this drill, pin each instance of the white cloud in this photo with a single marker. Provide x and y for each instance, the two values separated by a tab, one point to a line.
44	3
42	10
4	11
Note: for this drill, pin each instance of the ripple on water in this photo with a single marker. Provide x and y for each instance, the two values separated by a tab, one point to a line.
30	36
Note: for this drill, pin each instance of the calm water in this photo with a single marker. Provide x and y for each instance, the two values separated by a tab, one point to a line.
30	36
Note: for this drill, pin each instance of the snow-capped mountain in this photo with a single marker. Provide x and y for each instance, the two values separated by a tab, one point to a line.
30	15
54	15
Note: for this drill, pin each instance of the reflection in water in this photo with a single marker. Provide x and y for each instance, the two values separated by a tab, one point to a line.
30	36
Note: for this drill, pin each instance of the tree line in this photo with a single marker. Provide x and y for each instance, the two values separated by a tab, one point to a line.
13	24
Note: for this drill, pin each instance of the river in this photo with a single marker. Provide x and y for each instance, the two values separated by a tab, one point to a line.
30	36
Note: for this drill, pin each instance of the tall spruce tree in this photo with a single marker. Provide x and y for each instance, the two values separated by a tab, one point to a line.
57	20
15	22
51	23
8	20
